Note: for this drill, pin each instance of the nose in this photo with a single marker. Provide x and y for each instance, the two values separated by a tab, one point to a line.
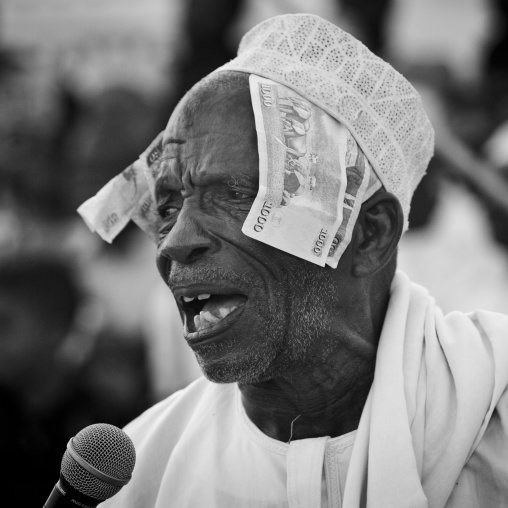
187	242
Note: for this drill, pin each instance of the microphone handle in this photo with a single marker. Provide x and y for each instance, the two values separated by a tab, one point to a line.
64	495
56	499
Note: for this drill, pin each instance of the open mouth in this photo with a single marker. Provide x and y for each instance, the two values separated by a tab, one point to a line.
205	311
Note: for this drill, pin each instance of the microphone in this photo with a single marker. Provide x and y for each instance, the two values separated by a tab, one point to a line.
98	462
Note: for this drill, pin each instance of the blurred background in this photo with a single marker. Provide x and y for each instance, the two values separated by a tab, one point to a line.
88	332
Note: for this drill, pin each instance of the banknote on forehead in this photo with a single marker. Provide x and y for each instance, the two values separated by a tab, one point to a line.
302	173
128	196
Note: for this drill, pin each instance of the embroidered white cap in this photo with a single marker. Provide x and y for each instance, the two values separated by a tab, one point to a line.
335	71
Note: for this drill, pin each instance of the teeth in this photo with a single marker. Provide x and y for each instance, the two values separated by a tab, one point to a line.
204	320
204	296
207	316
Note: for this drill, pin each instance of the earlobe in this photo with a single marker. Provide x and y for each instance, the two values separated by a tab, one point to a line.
377	233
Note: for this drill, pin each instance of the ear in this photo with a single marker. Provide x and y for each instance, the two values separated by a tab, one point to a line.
377	233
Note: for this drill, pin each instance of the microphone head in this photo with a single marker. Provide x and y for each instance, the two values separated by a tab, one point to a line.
98	461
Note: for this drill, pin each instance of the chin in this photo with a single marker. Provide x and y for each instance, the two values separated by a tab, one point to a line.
246	370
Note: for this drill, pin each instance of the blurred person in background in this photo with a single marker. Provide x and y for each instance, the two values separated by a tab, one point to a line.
63	364
495	103
40	403
459	211
60	370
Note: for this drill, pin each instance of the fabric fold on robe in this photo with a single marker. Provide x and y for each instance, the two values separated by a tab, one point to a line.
437	382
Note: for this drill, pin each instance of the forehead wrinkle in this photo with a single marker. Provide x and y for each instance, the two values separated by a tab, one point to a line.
161	184
173	155
170	148
167	179
215	150
235	179
173	141
220	139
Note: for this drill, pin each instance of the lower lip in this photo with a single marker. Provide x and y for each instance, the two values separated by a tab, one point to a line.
212	333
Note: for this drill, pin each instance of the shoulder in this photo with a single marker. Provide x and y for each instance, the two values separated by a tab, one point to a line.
488	327
171	415
493	324
183	417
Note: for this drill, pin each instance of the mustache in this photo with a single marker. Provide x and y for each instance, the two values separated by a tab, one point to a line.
183	275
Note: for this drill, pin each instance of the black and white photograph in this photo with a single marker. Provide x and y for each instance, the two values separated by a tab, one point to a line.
254	253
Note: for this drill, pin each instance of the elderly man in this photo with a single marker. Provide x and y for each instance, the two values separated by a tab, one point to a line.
322	386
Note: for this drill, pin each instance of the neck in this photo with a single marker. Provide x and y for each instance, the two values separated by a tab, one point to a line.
287	411
323	400
326	397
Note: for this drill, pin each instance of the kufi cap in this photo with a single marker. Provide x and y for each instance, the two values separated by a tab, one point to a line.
339	74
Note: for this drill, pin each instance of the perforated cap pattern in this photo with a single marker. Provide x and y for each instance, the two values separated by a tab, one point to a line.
108	449
339	74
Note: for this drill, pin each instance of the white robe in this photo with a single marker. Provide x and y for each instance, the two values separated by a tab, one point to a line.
433	433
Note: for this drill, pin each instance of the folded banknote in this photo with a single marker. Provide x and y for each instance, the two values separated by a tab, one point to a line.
128	196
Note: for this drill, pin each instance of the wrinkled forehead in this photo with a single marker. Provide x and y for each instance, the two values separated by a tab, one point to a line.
220	99
211	134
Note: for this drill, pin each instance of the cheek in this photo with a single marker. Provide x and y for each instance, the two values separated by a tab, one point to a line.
310	293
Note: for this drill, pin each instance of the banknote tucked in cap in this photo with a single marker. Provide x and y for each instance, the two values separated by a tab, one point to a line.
335	71
313	177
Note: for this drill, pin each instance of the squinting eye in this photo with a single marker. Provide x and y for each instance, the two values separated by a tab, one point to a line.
240	195
170	210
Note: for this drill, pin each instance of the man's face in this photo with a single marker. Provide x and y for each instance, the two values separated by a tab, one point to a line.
250	311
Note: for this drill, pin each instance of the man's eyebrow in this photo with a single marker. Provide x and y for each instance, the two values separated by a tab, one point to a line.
168	148
167	181
174	141
239	179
